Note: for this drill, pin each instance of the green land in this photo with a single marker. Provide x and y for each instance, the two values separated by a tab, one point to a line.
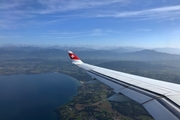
91	103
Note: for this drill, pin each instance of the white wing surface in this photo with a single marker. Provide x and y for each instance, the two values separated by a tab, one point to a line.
160	99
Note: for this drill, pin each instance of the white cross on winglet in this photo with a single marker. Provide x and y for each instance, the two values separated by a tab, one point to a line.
72	56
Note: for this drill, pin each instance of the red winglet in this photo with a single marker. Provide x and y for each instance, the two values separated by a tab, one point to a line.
73	56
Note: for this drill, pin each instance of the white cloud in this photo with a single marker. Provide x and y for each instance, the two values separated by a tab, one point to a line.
53	6
156	13
14	10
68	5
10	14
87	33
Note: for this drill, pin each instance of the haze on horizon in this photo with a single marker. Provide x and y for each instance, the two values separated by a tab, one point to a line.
147	24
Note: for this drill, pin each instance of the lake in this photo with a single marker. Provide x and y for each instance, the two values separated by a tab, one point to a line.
34	97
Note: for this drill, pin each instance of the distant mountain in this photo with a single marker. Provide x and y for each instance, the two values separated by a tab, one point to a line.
125	49
119	50
122	54
97	54
31	52
168	50
148	55
132	49
76	48
87	54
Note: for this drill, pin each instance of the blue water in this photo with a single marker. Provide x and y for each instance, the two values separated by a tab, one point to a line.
34	97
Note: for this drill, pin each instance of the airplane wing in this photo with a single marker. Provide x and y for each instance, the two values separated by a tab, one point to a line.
161	99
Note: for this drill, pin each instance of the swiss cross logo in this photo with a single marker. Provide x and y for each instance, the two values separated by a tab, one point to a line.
72	56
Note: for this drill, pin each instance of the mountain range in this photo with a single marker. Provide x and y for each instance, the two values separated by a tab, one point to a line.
128	53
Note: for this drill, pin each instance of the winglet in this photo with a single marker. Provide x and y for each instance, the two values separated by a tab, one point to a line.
74	58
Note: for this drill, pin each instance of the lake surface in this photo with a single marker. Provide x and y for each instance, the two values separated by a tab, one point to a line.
34	97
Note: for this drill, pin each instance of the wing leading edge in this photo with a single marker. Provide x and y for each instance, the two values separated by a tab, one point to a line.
161	99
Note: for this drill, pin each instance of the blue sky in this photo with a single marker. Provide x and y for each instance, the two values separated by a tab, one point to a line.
140	23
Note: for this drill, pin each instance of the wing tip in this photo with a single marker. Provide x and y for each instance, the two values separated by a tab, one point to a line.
70	51
74	58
